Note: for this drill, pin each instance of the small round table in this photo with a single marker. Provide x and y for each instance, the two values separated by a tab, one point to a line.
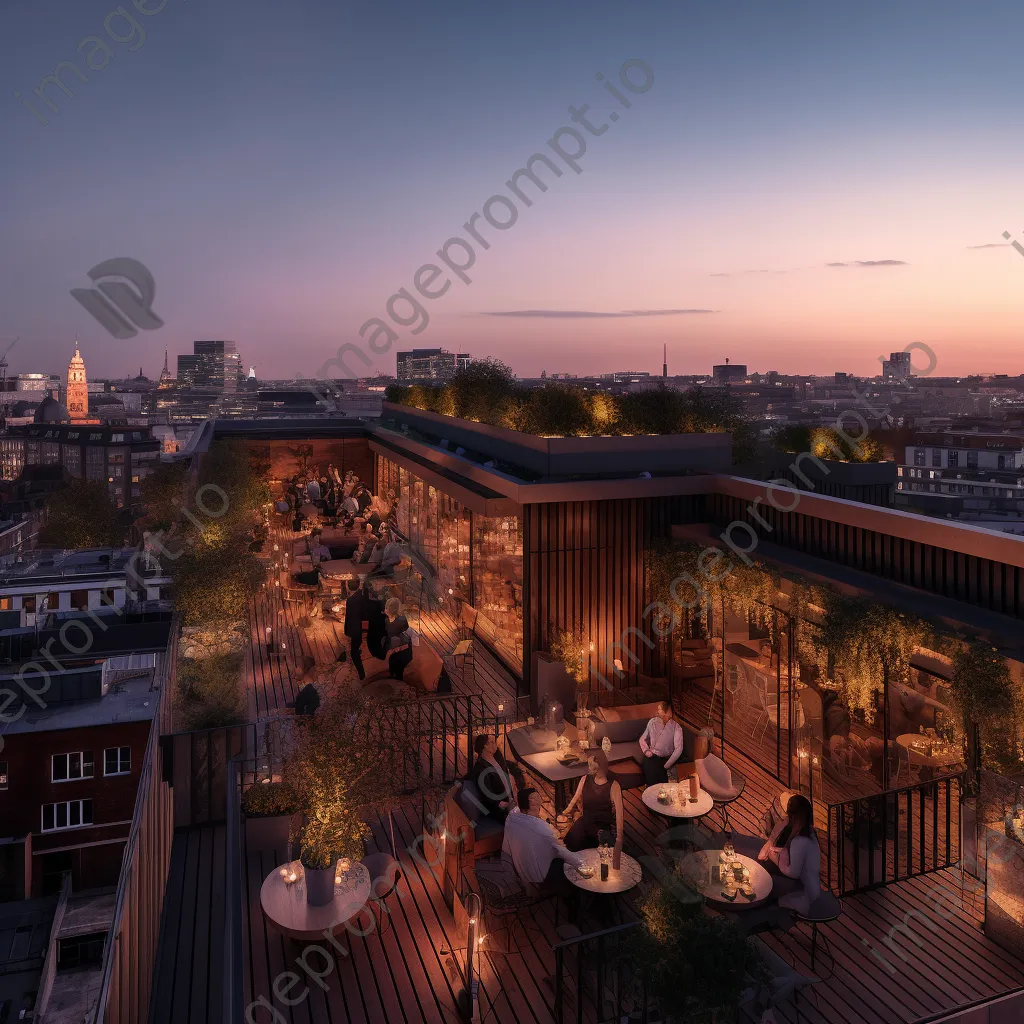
625	878
285	906
678	805
697	868
678	808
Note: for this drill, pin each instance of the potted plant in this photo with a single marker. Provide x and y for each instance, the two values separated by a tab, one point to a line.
331	831
268	808
347	758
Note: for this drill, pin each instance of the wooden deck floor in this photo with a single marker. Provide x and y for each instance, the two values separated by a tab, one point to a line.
902	953
271	681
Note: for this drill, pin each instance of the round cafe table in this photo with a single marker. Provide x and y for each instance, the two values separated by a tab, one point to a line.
697	868
285	906
622	880
678	805
923	759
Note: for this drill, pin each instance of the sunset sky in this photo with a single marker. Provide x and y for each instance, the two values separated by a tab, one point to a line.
283	169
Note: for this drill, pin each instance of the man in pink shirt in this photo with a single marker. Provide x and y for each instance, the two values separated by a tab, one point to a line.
662	744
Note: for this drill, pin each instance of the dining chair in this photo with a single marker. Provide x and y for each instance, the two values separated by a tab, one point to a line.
385	874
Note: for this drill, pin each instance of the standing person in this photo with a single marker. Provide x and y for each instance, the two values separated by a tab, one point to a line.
399	641
793	857
355	614
377	630
600	800
662	744
537	854
492	777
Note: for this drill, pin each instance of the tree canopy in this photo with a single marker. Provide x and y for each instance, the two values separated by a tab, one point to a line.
81	515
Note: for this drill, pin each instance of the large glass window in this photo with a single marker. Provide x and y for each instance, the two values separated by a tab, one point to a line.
498	584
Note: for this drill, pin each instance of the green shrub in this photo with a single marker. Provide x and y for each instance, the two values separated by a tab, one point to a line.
268	799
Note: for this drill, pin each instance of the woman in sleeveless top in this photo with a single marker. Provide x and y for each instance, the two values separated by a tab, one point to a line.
600	800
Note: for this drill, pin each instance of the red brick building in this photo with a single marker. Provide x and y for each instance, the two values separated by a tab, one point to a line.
69	772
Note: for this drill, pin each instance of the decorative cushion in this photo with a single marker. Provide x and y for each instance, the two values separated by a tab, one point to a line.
716	777
628	712
468	799
624	731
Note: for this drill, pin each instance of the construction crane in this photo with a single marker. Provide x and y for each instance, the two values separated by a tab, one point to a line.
3	364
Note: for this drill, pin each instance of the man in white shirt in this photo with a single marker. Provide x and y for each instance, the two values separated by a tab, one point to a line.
536	851
662	744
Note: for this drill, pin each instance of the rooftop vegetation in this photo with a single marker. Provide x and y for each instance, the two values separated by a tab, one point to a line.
487	391
826	443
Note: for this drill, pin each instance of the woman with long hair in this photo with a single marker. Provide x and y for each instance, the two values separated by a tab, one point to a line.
600	800
793	856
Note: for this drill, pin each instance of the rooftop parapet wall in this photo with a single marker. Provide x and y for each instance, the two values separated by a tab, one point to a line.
567	456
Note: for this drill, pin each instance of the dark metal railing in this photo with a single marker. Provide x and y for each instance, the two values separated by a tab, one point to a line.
593	983
435	735
898	834
234	937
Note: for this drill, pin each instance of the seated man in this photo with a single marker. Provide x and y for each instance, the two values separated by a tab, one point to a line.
387	554
537	853
662	744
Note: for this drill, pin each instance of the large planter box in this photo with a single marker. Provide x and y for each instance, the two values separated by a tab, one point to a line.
569	456
268	833
549	678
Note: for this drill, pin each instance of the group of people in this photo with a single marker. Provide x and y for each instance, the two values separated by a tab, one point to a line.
790	854
384	625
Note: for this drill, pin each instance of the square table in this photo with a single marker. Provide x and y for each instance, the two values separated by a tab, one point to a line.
546	766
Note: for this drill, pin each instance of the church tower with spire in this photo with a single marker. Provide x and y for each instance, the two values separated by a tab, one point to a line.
78	389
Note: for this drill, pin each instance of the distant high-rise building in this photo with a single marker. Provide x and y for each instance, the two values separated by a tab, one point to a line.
897	366
188	366
430	364
729	373
664	362
77	388
219	365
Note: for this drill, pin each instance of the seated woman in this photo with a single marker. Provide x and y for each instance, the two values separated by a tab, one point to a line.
600	800
793	857
492	777
399	641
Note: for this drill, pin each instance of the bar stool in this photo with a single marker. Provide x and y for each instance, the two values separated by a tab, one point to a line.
826	908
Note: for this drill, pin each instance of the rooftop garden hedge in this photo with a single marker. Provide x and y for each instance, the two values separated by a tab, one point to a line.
488	392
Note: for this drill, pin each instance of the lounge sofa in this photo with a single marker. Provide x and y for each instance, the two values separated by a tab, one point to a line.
422	673
626	724
472	834
623	725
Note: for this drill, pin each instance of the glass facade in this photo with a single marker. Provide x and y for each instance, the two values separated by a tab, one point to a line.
828	734
475	560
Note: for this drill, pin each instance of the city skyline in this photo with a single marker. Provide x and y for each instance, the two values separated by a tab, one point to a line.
799	187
